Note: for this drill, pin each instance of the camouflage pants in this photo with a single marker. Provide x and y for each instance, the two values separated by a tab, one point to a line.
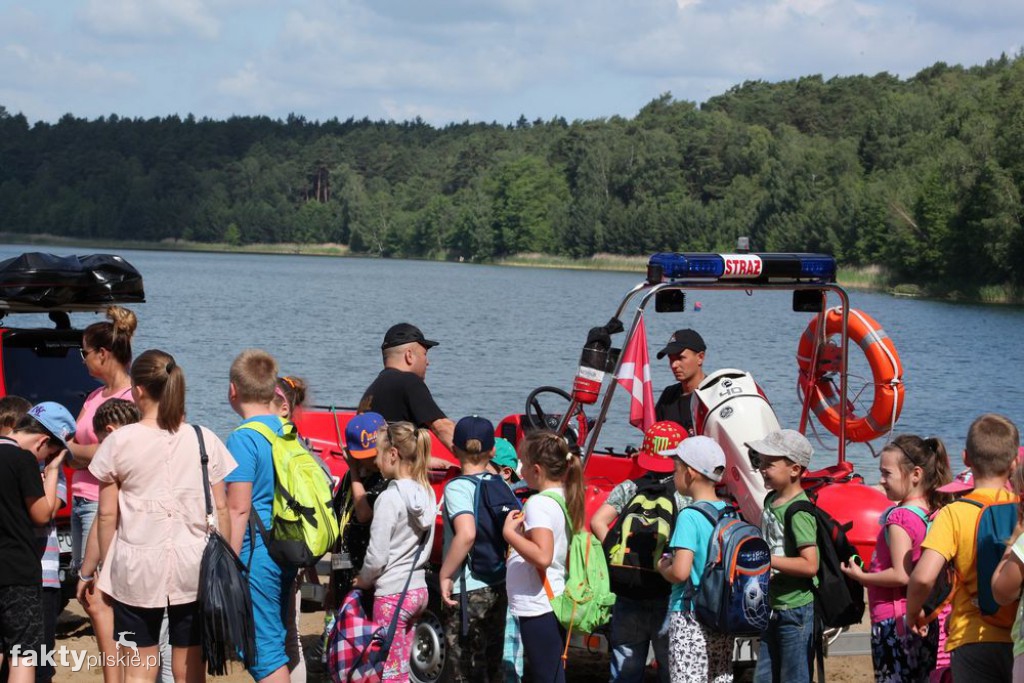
477	657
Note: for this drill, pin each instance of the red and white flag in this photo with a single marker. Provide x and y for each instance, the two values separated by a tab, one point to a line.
635	377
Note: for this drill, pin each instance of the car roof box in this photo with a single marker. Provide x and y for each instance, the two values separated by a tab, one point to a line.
37	282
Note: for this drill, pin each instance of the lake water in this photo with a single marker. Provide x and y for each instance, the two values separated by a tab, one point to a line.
505	331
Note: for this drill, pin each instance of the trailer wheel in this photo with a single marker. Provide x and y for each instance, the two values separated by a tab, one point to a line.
428	657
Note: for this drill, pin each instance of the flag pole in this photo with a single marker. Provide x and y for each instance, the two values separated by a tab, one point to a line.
607	400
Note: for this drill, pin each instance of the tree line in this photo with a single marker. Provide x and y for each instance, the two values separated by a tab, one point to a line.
922	176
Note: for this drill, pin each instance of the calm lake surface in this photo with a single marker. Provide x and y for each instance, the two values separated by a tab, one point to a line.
505	331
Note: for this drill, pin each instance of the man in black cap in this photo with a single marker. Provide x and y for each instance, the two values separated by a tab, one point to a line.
399	392
685	351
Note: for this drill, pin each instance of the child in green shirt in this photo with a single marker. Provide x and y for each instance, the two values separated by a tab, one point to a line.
787	645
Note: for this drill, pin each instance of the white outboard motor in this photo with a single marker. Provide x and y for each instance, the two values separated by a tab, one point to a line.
731	410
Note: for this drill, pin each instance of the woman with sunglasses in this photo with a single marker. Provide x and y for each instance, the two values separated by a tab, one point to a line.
107	353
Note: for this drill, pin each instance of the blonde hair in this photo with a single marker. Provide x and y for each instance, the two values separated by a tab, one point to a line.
254	374
115	334
413	446
473	453
164	382
551	452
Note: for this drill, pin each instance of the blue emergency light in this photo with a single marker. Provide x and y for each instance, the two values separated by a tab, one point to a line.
766	267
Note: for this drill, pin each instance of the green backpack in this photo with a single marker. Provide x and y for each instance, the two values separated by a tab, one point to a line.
303	526
586	603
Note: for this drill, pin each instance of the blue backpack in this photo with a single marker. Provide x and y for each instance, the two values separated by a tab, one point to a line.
492	502
732	597
996	523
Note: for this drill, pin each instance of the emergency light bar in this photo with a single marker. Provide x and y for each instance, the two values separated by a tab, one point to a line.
667	266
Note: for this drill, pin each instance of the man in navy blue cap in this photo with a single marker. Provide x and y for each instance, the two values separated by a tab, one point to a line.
685	350
399	392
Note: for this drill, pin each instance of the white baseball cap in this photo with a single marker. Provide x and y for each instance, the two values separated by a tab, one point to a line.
703	454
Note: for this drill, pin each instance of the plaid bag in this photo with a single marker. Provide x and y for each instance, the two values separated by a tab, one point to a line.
356	647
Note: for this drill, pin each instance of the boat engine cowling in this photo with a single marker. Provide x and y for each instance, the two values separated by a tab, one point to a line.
731	409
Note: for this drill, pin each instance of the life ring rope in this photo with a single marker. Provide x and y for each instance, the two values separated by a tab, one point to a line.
886	370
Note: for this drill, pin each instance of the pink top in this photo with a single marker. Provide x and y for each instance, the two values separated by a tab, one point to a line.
888	603
161	525
83	484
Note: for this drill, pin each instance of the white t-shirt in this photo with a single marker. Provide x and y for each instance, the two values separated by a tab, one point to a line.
526	596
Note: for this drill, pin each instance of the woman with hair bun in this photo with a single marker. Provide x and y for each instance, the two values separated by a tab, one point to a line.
106	353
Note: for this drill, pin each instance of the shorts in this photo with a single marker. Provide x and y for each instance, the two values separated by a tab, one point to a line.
21	618
83	514
141	625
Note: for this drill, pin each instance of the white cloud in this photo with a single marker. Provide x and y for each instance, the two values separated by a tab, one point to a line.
137	20
55	70
456	59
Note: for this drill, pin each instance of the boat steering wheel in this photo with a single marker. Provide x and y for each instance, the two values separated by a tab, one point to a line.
536	418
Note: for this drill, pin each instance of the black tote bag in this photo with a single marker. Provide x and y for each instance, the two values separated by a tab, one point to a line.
229	632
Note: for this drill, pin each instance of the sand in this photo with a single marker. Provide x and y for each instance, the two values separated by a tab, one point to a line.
75	633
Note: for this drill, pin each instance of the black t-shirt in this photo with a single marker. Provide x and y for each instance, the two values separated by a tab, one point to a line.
674	405
401	397
19	479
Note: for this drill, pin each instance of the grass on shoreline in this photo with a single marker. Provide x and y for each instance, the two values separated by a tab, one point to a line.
870	278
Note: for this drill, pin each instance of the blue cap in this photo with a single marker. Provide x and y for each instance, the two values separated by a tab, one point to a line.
474	427
56	419
361	435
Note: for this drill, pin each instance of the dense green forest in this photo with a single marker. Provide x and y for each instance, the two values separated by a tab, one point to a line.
922	176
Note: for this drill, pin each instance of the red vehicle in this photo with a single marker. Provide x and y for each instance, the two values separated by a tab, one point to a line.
730	406
45	363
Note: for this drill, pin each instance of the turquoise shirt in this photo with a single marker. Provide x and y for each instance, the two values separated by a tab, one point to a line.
255	459
459	497
692	532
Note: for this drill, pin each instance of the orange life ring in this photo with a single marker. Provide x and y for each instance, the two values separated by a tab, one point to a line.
886	371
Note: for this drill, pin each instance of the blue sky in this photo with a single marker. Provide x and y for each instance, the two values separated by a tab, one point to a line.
456	60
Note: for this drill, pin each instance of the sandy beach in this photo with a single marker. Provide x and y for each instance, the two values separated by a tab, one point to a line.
75	633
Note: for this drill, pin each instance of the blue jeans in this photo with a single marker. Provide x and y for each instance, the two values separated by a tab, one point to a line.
787	647
83	512
637	625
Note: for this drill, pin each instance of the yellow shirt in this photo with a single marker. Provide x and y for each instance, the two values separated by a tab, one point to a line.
952	535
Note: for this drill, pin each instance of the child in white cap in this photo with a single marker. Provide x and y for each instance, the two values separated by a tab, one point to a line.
696	653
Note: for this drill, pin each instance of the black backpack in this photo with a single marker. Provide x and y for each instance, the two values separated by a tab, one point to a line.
638	539
839	600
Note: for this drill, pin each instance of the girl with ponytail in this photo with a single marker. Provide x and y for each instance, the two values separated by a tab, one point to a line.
539	541
912	471
153	495
400	537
